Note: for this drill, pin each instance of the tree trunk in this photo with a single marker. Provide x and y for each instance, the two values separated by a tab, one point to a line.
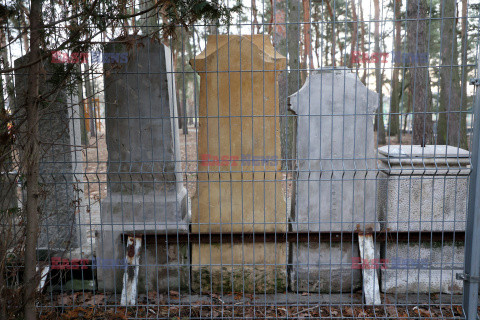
294	77
354	28
90	101
450	130
464	69
286	40
255	20
378	77
149	24
417	31
316	27
307	35
23	26
335	34
31	165
393	123
364	76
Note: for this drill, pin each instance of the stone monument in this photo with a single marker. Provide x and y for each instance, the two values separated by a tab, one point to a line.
239	186
145	192
61	169
425	190
335	184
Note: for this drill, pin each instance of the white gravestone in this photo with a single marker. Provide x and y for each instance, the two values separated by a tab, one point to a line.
335	184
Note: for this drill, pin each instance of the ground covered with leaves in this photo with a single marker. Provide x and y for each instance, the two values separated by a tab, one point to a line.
89	306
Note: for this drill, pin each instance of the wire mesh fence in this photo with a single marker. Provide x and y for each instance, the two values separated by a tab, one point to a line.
253	159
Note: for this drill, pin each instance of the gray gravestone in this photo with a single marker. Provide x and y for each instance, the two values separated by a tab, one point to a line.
145	192
335	185
60	152
8	191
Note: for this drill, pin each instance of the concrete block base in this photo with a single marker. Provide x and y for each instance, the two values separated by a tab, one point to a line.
248	268
324	268
152	212
425	268
163	267
427	203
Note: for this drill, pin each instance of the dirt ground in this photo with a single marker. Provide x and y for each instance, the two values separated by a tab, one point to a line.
248	306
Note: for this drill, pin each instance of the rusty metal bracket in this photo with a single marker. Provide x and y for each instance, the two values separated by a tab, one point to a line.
466	277
475	81
130	278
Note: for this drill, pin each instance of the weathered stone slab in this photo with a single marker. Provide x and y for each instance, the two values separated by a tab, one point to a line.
429	267
249	267
61	167
335	185
8	191
324	267
238	116
145	186
426	189
145	192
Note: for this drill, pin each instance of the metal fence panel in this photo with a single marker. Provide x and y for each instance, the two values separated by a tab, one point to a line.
288	159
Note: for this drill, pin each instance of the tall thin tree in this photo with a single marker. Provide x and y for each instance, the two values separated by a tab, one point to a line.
417	32
378	77
393	123
451	128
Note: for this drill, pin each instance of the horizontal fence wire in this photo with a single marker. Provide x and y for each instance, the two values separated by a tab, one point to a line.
239	159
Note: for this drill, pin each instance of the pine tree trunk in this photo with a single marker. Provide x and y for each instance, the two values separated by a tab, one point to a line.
450	129
354	28
31	165
364	76
378	77
417	32
393	128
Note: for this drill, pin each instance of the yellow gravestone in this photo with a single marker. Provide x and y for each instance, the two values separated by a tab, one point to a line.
239	180
239	127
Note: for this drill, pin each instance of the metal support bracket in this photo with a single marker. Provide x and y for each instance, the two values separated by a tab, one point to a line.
475	81
130	278
466	277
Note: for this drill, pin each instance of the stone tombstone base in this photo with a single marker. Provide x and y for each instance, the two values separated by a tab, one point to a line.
149	213
163	267
425	189
324	267
423	268
246	268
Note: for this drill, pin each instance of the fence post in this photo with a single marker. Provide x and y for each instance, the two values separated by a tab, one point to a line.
472	242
